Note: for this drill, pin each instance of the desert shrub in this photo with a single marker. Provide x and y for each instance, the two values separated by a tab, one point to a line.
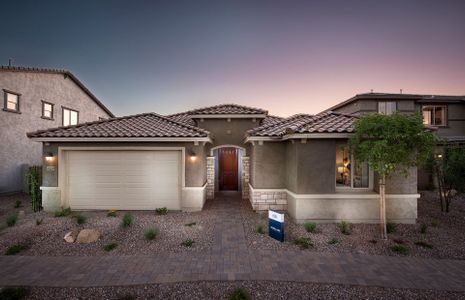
423	227
333	241
239	294
127	220
344	227
151	233
391	227
401	249
260	228
14	293
126	297
161	211
373	241
303	242
310	226
63	213
187	243
11	220
424	244
112	213
191	224
110	246
15	249
18	204
39	221
80	219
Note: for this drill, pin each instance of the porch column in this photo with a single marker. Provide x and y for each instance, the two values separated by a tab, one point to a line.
210	177
245	177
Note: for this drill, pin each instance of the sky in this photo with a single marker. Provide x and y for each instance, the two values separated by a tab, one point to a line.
284	56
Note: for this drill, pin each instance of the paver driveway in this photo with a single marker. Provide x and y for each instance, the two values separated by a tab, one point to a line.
230	259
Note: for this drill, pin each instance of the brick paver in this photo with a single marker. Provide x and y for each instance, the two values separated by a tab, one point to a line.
230	259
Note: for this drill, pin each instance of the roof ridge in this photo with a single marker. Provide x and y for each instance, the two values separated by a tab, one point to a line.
192	111
280	122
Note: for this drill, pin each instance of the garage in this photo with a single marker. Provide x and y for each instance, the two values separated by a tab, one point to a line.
123	180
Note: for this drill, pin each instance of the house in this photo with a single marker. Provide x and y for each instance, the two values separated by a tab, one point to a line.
37	99
445	113
298	164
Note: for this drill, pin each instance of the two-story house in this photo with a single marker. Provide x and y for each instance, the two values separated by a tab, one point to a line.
36	99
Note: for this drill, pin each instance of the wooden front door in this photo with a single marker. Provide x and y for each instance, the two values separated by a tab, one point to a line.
228	169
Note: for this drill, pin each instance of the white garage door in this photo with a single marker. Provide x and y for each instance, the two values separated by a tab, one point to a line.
124	179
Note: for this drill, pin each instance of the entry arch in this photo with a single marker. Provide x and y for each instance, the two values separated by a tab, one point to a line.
228	146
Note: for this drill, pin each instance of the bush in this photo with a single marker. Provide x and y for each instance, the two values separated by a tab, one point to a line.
127	220
126	297
151	234
63	213
260	228
15	249
39	221
424	245
11	220
80	219
400	249
423	228
110	246
344	227
310	226
18	204
187	243
391	227
303	242
191	224
161	211
112	213
373	241
333	241
240	294
14	293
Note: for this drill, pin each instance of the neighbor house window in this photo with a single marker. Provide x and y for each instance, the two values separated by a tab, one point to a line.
387	107
350	173
434	115
47	110
11	101
70	117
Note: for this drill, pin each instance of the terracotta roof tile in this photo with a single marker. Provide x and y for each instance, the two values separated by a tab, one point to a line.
226	109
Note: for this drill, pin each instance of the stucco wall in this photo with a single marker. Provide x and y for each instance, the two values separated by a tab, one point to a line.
268	164
15	148
455	115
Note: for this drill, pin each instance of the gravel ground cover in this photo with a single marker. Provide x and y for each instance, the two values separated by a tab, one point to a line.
223	290
445	233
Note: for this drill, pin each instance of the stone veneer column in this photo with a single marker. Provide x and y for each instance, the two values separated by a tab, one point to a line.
245	177
210	177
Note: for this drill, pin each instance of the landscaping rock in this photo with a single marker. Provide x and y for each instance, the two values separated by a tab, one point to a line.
86	236
21	214
70	237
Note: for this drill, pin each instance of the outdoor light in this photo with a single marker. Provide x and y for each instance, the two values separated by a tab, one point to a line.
49	157
439	156
193	156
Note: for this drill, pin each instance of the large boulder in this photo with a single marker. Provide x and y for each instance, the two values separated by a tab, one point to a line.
70	237
86	236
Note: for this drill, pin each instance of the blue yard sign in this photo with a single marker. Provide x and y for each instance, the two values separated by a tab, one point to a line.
276	225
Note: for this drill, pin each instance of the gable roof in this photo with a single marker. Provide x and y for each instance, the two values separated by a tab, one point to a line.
145	126
227	109
63	72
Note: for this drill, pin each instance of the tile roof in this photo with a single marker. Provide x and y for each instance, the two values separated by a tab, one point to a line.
182	118
227	109
326	122
148	125
269	120
58	71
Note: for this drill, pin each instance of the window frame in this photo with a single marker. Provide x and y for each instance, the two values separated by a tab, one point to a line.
63	108
5	101
351	187
433	119
395	102
43	102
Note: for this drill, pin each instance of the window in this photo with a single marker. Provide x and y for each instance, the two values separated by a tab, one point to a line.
349	172
434	115
47	110
11	101
387	107
70	117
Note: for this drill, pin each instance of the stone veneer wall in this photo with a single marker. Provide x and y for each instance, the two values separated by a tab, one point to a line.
245	177
264	199
210	177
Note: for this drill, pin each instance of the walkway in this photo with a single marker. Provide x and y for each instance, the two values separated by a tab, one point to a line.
230	259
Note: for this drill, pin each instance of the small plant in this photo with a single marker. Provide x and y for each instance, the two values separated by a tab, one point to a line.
434	223
310	226
126	297
190	224
401	249
260	228
373	241
303	242
239	294
112	213
151	234
424	244
14	293
333	241
344	227
15	249
391	227
80	219
63	213
127	220
110	246
423	228
187	243
11	220
39	221
161	211
18	204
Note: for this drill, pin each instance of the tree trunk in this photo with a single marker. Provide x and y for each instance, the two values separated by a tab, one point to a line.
440	187
382	206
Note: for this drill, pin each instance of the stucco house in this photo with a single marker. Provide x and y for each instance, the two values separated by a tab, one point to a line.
36	99
298	164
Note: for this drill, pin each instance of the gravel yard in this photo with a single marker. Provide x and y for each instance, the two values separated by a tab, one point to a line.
257	290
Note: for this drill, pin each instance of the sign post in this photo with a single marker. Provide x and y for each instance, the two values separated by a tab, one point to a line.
276	225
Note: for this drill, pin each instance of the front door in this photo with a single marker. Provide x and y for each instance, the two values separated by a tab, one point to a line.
228	169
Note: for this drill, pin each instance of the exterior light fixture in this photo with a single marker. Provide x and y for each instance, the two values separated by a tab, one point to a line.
49	157
192	156
439	156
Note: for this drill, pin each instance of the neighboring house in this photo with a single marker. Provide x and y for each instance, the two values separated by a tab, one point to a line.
445	113
299	164
36	99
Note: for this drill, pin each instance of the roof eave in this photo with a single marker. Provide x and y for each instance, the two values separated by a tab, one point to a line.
228	116
122	139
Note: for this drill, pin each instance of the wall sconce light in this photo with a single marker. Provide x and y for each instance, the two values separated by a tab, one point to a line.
49	157
192	156
438	156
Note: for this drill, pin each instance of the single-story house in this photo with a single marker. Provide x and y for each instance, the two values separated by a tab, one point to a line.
299	164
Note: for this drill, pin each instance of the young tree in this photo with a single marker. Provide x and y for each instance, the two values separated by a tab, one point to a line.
390	144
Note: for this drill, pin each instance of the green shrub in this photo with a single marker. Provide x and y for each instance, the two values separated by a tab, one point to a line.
161	211
260	228
400	249
127	220
18	204
112	213
303	242
151	234
310	226
110	246
344	227
63	213
333	241
391	227
15	249
239	294
191	224
423	227
187	243
80	219
14	293
11	220
126	297
424	245
39	221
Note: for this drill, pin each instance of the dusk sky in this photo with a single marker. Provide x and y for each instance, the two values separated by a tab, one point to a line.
285	56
